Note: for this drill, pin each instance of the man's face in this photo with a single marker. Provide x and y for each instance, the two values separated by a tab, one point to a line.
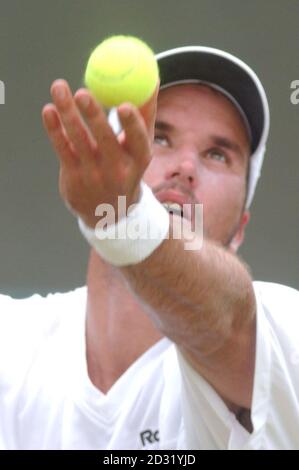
200	155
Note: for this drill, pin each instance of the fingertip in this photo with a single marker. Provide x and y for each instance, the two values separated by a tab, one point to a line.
59	82
129	114
49	115
82	99
61	92
48	107
125	111
87	103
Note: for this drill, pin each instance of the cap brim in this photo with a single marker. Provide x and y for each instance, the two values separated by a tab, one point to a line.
224	71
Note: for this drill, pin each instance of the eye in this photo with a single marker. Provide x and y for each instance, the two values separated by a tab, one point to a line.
161	140
218	155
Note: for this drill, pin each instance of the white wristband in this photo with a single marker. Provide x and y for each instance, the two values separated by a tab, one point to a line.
134	237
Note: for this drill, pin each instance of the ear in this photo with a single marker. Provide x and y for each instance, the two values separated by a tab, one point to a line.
237	241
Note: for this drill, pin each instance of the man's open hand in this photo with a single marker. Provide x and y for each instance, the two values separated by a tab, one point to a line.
96	166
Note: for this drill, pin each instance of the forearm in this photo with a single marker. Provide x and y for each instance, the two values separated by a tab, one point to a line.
197	298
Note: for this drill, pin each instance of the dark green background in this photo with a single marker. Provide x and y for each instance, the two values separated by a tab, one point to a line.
41	249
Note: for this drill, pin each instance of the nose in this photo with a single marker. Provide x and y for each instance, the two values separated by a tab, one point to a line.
183	166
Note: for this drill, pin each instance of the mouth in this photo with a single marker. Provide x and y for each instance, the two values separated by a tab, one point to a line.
176	203
173	208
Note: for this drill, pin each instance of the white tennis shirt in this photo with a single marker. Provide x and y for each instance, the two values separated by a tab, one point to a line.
47	400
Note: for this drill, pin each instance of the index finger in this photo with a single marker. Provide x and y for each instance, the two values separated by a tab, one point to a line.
75	128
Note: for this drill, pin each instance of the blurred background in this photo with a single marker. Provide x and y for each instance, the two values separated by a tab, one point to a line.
41	249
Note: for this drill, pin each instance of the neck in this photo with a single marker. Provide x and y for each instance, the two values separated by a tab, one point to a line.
118	331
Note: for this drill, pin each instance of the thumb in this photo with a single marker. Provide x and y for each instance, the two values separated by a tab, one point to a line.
148	111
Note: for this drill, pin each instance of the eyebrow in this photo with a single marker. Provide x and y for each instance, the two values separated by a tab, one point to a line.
163	126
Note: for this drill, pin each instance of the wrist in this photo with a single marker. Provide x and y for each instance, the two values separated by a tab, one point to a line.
135	236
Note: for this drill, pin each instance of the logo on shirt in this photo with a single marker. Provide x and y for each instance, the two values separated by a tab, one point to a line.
149	437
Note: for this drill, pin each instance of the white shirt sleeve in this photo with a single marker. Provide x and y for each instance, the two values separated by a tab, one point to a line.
275	408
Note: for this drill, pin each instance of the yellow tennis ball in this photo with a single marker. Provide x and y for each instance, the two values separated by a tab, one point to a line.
121	69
